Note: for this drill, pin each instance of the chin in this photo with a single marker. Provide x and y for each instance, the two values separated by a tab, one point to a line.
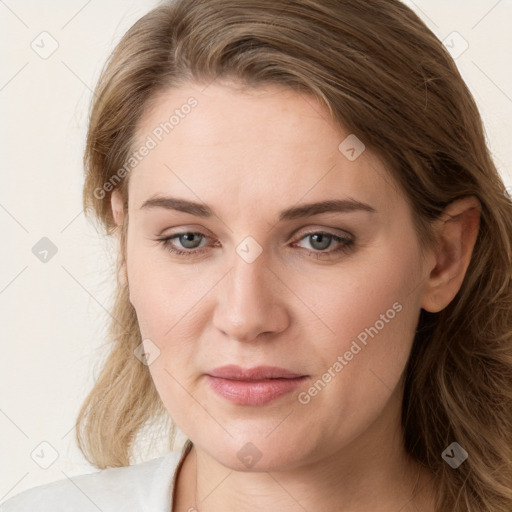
259	454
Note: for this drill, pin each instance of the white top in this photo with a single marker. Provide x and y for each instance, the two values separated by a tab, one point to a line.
145	487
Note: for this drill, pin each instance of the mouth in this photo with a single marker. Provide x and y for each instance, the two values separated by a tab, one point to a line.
253	386
257	373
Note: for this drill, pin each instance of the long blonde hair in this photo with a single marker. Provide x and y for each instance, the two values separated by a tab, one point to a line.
385	76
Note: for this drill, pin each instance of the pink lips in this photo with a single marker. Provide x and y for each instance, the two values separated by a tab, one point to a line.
253	386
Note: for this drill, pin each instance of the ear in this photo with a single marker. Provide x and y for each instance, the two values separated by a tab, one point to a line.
456	231
116	202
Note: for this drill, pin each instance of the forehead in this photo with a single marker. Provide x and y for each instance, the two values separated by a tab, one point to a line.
250	145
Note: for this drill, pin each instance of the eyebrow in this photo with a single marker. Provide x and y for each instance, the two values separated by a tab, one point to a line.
295	212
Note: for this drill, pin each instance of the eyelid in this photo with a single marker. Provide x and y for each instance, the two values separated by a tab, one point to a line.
318	229
181	229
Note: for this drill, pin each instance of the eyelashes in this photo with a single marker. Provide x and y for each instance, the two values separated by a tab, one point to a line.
344	244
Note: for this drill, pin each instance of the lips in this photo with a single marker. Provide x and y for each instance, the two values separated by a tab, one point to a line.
257	373
253	386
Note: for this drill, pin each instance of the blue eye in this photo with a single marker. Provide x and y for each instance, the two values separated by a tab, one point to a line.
323	240
188	241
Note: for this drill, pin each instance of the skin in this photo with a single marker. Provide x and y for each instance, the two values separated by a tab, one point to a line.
248	155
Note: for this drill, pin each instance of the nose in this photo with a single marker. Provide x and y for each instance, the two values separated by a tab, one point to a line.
250	301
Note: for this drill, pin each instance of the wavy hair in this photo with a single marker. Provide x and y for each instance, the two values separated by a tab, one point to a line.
386	77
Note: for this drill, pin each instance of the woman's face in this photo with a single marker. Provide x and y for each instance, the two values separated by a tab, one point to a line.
265	281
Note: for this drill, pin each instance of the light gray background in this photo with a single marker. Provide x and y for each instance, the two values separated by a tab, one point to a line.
54	313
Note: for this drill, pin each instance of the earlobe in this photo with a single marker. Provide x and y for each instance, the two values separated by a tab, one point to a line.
456	233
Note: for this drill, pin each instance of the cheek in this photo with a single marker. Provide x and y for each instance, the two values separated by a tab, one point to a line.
162	294
171	304
373	312
365	298
166	315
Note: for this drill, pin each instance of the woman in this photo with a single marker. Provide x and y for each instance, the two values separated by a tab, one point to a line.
314	271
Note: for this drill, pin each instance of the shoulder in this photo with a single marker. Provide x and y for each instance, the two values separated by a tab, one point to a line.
140	487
